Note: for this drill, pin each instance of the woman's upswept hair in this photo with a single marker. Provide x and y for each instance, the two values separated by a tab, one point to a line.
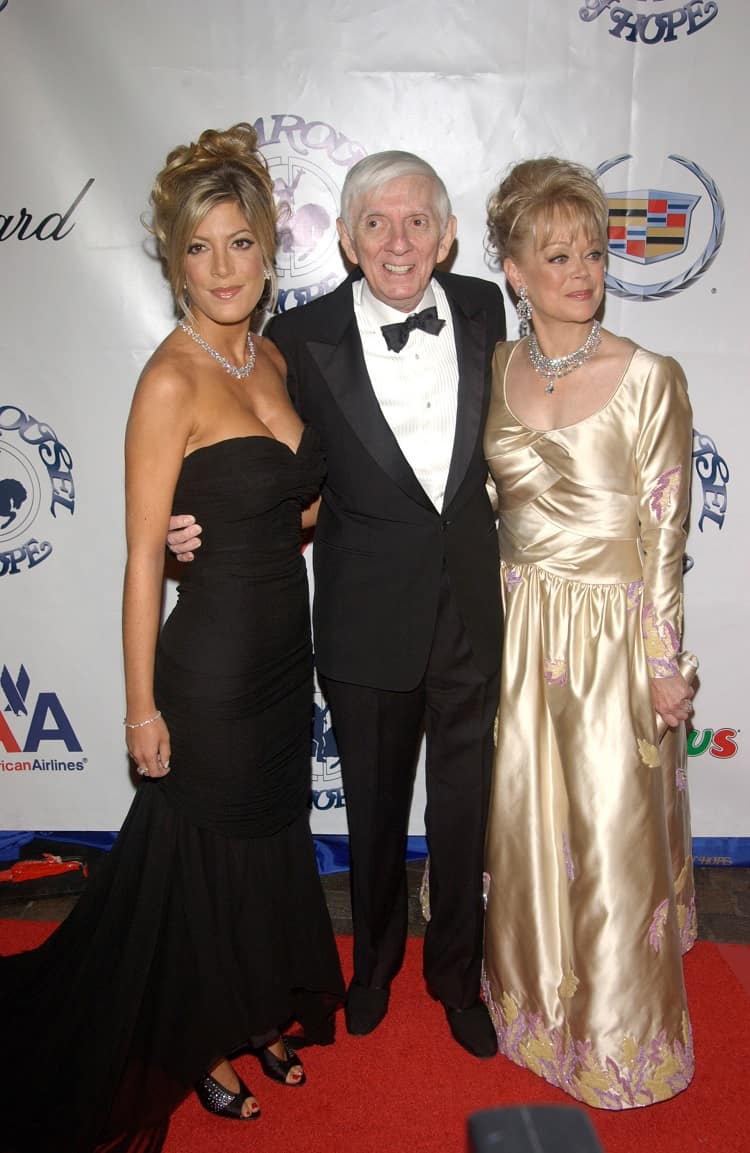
220	167
535	197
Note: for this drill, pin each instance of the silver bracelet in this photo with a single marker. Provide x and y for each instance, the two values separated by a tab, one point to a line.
139	724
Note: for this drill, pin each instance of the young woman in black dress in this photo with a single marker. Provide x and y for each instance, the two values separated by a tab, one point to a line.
206	931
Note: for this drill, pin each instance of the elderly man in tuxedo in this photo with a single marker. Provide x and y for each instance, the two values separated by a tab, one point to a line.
392	369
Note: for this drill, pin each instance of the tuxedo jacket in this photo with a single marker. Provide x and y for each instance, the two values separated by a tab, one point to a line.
380	544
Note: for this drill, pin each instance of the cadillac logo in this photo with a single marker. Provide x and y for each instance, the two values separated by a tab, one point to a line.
648	225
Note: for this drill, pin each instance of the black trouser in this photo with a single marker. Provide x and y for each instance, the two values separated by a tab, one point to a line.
378	733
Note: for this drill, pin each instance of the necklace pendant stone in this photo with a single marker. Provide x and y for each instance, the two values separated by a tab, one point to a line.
553	368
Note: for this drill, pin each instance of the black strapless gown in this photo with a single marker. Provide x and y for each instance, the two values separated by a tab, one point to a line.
206	927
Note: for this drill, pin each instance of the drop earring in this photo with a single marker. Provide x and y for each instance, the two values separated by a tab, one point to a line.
523	308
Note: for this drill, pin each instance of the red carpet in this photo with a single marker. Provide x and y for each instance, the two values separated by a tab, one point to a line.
408	1088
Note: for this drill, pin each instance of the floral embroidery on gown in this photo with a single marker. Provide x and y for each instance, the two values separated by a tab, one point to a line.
590	901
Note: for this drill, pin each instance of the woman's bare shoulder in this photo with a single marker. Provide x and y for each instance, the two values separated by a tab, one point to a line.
169	373
270	354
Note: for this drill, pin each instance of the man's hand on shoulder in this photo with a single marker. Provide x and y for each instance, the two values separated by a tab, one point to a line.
183	537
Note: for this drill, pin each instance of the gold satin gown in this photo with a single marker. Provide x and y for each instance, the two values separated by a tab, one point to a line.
589	865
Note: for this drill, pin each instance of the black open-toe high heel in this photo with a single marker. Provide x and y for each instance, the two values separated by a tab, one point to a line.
223	1102
279	1068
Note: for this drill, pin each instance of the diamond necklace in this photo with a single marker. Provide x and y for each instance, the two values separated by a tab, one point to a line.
553	367
239	373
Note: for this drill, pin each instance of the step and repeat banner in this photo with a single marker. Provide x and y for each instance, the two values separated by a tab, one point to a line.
651	94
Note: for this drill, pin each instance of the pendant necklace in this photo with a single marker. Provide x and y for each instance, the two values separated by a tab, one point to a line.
552	368
238	373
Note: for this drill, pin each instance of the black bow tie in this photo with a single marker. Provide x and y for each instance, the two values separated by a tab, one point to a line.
396	335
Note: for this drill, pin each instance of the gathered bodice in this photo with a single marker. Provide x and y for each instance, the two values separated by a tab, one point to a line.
583	499
248	581
248	493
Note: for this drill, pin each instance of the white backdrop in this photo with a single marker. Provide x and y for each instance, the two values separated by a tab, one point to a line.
94	94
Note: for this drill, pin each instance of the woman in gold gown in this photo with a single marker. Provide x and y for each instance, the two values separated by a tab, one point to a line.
588	854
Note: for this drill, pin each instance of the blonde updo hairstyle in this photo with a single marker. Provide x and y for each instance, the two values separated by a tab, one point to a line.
535	198
219	167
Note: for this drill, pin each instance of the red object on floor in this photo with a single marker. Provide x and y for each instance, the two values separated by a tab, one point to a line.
48	866
408	1088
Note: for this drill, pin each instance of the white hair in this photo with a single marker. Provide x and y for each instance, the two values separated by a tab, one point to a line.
373	171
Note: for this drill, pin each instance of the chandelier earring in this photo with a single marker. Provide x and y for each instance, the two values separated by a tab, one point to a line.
266	274
523	308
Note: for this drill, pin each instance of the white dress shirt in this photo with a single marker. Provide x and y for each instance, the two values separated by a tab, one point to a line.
417	388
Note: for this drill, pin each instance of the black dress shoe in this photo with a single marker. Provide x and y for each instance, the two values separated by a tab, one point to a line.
365	1008
473	1029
